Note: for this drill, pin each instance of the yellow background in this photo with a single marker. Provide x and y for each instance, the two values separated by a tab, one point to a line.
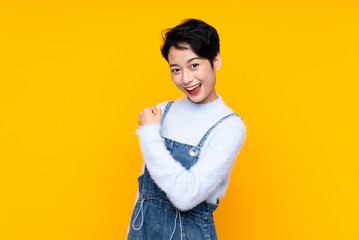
75	74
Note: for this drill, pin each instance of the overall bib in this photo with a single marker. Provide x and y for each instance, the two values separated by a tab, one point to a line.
155	217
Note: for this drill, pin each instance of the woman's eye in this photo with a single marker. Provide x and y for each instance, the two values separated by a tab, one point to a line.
175	70
194	65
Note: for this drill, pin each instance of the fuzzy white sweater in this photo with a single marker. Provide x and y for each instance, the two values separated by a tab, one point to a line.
187	122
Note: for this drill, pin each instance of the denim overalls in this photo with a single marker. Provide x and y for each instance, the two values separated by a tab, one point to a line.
155	217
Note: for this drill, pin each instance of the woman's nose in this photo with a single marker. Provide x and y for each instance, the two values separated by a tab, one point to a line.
187	77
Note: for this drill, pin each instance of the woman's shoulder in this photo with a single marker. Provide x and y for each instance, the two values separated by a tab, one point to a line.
232	128
234	122
162	105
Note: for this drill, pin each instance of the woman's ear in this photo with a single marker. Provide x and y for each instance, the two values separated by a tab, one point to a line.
217	62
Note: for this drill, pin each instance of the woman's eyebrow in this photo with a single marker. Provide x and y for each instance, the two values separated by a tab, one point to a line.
172	65
193	59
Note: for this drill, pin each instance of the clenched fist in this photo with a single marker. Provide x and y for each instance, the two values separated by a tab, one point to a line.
150	115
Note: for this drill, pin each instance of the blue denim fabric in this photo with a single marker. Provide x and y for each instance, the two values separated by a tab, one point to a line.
155	217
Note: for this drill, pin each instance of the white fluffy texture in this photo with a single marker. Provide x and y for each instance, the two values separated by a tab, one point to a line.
187	122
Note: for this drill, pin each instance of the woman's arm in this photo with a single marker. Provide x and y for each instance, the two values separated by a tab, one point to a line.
188	188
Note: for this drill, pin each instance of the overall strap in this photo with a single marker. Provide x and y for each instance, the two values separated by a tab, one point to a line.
196	150
166	110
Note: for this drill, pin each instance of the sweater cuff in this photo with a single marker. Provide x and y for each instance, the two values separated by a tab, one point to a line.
149	133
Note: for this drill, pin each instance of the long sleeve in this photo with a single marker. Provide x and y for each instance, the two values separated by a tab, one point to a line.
187	188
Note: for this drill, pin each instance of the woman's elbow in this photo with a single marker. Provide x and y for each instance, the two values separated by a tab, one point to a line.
185	202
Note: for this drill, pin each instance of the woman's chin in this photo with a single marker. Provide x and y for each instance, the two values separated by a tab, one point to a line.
195	99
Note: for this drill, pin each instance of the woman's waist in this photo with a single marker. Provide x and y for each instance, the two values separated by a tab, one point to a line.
160	199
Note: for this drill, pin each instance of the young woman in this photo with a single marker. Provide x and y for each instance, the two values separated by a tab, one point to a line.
189	145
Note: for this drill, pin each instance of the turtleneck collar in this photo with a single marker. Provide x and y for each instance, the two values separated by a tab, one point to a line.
202	106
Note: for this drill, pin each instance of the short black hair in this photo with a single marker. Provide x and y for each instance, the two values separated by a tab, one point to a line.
201	37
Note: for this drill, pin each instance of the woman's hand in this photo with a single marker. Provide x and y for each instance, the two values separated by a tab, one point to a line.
150	115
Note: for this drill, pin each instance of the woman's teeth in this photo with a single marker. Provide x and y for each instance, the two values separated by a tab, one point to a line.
193	87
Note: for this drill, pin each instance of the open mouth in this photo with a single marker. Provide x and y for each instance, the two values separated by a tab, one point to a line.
194	89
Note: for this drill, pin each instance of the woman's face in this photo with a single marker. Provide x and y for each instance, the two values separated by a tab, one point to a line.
194	75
